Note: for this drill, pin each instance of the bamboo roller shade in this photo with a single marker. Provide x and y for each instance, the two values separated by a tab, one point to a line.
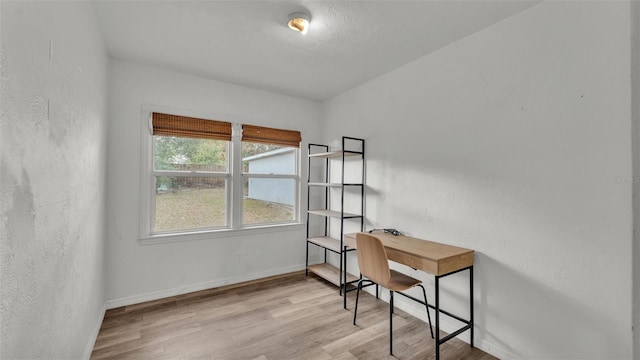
265	135
184	126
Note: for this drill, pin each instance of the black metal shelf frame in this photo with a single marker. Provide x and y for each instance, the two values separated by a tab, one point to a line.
322	152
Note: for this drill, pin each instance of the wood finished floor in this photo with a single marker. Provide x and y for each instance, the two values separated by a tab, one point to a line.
287	317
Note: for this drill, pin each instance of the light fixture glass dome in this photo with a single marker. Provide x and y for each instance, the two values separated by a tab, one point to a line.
299	22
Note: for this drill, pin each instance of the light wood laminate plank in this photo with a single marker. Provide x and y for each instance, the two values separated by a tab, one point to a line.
282	318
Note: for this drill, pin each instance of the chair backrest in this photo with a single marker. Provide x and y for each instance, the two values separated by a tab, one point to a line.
372	259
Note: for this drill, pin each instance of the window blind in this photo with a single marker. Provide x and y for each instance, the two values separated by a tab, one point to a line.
184	126
265	135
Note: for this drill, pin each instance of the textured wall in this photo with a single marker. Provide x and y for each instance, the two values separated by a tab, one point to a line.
138	272
515	142
53	160
635	116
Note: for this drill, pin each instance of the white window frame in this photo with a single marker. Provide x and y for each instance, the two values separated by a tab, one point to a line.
234	183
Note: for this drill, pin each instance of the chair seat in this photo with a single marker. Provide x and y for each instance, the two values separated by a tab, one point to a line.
400	282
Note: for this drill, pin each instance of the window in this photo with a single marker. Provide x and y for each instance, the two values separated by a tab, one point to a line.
269	159
204	176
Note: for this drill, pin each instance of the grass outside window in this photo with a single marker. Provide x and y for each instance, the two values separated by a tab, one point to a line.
192	208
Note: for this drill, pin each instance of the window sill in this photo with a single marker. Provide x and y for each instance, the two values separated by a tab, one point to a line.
214	234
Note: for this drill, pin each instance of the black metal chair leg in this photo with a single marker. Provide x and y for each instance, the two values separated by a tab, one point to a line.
390	322
355	309
426	303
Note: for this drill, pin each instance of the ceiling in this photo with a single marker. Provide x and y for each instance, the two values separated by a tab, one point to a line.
248	43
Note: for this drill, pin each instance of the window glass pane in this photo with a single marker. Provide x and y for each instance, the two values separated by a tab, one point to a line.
184	203
178	153
268	159
268	200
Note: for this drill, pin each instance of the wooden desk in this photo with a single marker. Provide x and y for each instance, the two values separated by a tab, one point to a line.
435	258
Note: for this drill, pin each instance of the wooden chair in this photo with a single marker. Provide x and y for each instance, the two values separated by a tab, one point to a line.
374	266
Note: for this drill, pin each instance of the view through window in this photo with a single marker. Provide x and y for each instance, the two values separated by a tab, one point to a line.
194	175
194	200
269	183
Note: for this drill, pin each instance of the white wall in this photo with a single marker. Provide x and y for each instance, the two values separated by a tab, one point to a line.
635	116
515	142
141	272
53	161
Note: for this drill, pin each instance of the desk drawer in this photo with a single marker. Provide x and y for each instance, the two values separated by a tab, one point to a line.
441	266
423	264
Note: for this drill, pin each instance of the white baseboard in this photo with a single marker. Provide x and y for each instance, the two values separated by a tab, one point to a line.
495	350
94	334
155	295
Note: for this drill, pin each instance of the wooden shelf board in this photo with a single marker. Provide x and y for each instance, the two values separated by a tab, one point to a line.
335	154
333	214
324	184
330	273
326	242
333	184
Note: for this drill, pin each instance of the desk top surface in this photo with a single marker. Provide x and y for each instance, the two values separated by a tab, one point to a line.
430	251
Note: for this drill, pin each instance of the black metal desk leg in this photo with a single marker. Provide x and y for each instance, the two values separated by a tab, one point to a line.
344	279
437	318
471	302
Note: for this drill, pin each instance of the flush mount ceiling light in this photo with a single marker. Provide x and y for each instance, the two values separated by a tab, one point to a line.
299	22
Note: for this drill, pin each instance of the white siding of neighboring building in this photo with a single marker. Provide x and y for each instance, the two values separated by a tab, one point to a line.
272	190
